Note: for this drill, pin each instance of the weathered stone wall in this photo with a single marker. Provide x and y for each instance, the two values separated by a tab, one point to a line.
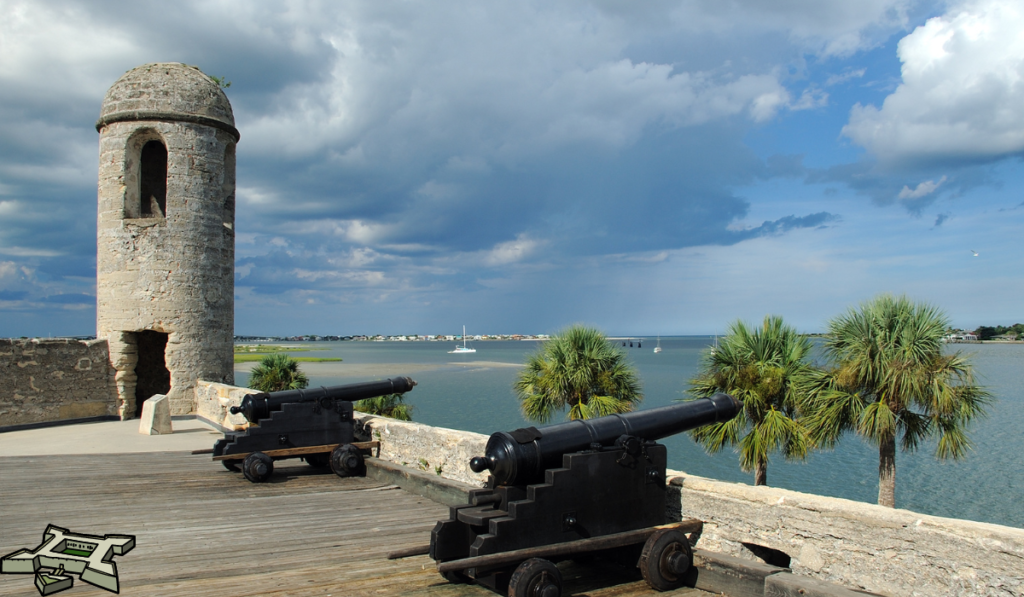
857	545
172	272
883	550
445	452
213	401
51	380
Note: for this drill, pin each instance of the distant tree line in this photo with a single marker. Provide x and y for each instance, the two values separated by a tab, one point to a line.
987	332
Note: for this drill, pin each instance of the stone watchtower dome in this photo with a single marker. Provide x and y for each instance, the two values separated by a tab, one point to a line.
165	239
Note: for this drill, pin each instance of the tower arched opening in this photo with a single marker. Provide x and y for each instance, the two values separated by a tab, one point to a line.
153	180
151	369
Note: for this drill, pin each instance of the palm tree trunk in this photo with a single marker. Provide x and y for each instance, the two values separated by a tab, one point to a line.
887	471
761	473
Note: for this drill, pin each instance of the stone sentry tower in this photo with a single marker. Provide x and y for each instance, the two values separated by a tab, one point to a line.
165	239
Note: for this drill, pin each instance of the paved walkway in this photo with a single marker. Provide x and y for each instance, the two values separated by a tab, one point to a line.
107	437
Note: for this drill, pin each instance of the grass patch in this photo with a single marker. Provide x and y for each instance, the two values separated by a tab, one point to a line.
271	349
256	357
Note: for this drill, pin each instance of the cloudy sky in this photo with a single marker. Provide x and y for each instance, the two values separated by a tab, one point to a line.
657	167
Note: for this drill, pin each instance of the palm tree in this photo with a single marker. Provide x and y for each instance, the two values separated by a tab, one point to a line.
276	372
580	370
891	381
766	369
391	405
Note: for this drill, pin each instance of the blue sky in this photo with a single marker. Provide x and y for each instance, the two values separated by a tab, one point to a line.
664	167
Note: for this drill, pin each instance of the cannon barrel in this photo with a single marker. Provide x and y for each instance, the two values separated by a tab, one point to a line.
520	457
259	406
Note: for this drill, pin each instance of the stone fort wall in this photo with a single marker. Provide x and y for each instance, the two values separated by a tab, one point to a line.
51	380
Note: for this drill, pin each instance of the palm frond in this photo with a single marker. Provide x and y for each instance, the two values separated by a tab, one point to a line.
877	422
953	441
571	370
915	429
766	368
390	405
277	372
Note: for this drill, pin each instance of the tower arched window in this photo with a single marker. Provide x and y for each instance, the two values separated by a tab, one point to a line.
153	180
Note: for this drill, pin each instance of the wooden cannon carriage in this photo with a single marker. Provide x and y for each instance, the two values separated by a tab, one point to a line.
594	488
313	424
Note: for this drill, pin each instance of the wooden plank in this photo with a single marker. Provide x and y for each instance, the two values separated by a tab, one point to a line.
288	452
202	531
568	548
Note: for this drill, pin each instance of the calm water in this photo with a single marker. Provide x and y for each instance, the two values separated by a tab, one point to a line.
986	487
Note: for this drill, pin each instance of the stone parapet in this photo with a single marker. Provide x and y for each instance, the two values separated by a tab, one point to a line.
444	452
213	401
48	380
864	546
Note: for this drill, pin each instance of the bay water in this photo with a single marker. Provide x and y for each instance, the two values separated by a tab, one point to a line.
473	392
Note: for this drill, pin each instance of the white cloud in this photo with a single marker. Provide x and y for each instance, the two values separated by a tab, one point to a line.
845	76
38	39
925	188
962	94
8	269
810	98
366	233
829	26
514	79
511	251
255	196
29	252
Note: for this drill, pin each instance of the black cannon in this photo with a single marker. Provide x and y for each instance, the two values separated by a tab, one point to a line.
313	424
573	488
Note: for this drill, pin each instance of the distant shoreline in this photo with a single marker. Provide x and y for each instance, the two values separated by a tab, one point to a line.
343	369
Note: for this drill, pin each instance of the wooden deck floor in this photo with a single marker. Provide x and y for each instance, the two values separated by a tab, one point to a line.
201	530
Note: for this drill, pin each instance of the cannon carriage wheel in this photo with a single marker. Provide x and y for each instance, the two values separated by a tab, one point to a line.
665	559
257	467
535	577
347	461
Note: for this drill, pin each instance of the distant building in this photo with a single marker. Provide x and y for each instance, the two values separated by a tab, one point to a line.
960	337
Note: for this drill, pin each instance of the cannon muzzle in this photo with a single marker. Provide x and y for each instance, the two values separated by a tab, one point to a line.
259	406
520	457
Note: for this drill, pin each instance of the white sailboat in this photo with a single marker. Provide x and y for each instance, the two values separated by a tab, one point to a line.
462	349
657	348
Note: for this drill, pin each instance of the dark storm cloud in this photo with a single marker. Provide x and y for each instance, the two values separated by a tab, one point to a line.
421	149
914	189
788	223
